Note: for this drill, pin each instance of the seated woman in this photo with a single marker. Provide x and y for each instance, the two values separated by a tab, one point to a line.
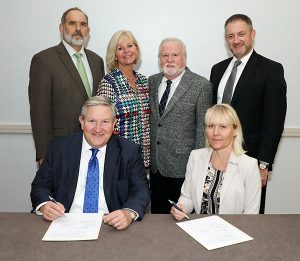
220	179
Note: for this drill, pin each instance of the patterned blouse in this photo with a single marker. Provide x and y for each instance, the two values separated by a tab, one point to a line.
133	111
212	191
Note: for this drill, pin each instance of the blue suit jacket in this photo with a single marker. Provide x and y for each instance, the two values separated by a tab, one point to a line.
125	181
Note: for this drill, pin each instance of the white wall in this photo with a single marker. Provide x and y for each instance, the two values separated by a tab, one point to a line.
17	172
283	193
30	26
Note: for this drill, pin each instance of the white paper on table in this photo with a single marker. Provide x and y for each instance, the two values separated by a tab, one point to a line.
214	232
74	226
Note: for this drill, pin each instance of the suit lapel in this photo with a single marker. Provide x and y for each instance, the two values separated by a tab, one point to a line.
215	79
182	87
247	73
110	164
69	64
74	155
231	171
201	175
156	82
221	72
93	70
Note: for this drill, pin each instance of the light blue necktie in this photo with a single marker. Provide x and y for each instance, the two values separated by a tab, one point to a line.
91	194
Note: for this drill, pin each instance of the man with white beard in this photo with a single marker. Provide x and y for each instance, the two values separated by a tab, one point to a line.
61	79
179	99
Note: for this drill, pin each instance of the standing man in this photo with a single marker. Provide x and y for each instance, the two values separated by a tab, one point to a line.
179	99
62	78
256	88
93	170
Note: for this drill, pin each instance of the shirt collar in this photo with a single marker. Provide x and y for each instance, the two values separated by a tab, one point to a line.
71	50
245	59
177	79
86	147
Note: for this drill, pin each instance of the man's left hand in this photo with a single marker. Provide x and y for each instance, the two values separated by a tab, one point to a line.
264	176
119	219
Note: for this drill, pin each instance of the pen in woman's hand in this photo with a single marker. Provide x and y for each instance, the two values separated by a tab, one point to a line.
178	208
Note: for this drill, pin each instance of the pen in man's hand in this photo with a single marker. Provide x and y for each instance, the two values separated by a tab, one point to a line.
178	208
52	199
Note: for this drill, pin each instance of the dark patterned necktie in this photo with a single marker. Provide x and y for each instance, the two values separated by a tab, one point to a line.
227	95
164	98
91	194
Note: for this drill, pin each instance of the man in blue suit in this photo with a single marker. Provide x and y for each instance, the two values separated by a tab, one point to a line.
258	94
123	185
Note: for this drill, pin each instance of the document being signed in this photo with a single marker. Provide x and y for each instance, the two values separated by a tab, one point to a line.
214	232
71	227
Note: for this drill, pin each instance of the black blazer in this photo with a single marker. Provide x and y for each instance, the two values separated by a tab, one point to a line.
260	102
125	181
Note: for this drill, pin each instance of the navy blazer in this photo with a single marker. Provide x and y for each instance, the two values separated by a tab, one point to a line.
125	181
260	102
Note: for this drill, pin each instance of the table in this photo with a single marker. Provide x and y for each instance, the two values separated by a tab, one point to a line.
157	237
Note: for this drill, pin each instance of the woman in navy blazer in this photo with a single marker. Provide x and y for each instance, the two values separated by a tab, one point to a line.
221	178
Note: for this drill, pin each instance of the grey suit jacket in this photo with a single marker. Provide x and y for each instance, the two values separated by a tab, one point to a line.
56	94
181	128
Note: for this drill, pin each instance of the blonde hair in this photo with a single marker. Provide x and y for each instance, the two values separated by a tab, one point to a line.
112	46
98	100
228	116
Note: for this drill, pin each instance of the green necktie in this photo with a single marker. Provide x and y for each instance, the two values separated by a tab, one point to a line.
82	72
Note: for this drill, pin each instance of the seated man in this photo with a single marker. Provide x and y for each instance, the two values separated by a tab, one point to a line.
93	171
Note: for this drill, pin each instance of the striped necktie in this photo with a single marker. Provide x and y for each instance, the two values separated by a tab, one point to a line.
164	98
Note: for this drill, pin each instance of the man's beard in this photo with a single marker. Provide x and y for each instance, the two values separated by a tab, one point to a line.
73	41
171	71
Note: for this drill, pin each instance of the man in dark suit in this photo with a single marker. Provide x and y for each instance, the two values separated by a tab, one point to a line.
179	99
258	96
122	189
56	89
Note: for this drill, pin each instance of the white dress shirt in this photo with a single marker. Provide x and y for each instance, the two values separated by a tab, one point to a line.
86	153
227	73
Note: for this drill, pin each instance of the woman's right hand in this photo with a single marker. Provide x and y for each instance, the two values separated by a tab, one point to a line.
179	215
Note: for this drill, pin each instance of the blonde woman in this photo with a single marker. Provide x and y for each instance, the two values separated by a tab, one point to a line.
129	91
221	178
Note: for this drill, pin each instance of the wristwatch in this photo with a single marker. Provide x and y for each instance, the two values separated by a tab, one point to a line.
263	164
